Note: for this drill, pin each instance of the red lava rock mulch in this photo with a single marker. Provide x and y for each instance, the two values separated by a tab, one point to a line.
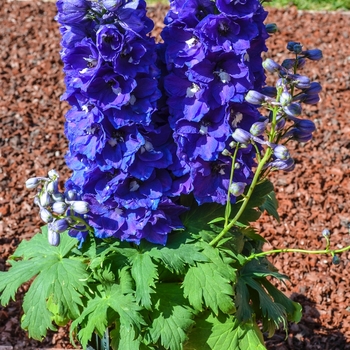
313	197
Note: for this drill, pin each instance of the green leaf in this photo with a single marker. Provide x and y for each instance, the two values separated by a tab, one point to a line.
68	285
172	316
94	316
197	219
260	192
204	285
125	339
274	314
38	245
271	205
19	273
176	258
37	318
144	272
58	280
293	309
216	220
242	301
223	332
250	232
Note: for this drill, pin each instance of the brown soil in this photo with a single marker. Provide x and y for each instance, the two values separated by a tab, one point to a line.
312	197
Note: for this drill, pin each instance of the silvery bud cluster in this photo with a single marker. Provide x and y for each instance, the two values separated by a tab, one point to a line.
61	211
284	103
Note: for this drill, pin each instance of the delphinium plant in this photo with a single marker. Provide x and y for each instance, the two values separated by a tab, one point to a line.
150	245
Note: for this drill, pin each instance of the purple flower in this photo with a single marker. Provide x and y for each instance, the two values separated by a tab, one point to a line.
109	41
72	11
239	8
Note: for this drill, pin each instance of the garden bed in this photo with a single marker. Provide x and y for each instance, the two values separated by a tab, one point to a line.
313	197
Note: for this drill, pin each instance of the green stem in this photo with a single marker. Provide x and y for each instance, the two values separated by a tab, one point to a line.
228	200
246	199
303	251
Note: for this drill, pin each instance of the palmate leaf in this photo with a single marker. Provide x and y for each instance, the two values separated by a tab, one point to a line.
254	294
176	258
144	272
57	278
204	286
172	316
94	316
224	332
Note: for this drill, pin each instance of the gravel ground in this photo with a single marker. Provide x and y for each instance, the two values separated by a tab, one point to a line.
312	198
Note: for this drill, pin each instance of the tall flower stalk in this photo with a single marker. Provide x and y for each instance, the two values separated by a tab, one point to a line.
119	146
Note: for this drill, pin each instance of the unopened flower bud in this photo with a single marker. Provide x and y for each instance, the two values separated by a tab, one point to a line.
233	144
71	195
33	182
301	62
52	187
326	232
226	153
237	188
59	207
45	215
44	199
258	128
313	55
286	165
298	135
53	174
60	225
80	207
297	48
301	81
335	260
313	89
288	63
271	28
53	237
281	122
285	98
57	197
269	91
293	109
271	66
309	99
281	152
256	98
290	45
305	125
241	136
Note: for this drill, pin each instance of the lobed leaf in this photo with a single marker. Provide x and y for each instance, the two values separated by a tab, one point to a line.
144	272
204	285
176	259
172	316
224	332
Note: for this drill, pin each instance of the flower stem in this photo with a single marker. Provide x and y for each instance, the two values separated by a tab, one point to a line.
246	199
303	251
